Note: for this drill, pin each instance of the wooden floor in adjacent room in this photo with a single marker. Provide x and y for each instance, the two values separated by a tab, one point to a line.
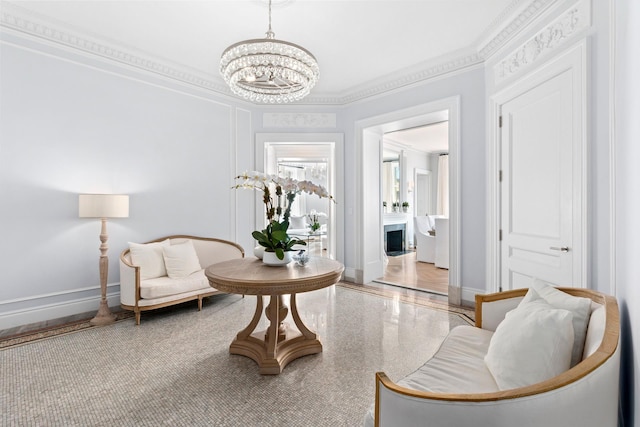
404	270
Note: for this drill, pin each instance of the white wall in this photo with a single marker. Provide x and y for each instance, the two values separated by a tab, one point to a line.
627	197
71	125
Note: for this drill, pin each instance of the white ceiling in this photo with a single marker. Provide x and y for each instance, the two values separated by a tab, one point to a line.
433	138
363	47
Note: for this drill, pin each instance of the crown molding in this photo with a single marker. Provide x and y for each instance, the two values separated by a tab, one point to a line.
570	23
29	23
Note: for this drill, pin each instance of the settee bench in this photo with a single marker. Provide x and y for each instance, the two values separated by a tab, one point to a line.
457	387
170	270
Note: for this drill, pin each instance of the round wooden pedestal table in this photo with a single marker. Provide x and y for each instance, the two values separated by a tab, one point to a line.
280	343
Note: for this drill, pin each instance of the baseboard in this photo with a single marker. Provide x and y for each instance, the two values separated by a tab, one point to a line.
468	296
50	311
350	275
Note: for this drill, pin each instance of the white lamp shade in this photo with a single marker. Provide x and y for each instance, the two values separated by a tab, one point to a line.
103	206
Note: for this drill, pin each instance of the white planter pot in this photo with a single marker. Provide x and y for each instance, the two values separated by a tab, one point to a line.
258	251
270	258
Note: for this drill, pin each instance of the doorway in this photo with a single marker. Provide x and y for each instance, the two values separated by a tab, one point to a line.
369	208
411	201
315	156
539	154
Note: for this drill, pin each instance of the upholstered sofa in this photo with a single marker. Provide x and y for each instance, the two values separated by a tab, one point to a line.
170	270
461	385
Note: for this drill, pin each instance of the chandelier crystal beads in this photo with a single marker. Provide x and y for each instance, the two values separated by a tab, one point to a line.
269	71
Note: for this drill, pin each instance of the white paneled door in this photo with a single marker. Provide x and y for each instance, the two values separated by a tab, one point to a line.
541	189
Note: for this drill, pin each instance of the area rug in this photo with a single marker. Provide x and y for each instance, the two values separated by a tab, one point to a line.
175	368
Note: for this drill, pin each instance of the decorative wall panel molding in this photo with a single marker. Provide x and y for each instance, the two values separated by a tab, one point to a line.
563	29
299	120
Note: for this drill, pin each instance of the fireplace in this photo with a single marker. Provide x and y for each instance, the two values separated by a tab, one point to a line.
394	237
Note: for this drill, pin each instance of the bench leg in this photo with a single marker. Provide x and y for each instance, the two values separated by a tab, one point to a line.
199	303
138	317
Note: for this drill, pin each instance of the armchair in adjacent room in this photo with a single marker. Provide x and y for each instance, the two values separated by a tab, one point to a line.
425	238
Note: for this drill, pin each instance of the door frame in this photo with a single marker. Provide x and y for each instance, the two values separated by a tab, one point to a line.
574	59
336	188
378	125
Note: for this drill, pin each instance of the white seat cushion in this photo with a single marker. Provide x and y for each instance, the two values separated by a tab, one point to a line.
164	286
458	365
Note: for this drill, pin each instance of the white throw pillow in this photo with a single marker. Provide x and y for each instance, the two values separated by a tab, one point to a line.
532	344
578	306
181	260
148	256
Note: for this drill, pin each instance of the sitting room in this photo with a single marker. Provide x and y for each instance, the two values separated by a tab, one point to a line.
194	229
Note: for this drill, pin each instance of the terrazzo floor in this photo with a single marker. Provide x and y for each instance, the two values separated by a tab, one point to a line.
175	369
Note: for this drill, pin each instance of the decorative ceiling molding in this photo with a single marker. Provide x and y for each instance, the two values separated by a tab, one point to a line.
23	21
571	22
506	32
299	120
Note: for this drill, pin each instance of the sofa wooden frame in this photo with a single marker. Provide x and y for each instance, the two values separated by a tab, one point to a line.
178	300
606	350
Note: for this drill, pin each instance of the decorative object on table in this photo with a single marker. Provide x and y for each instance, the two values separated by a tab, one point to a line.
258	251
314	220
271	258
396	206
384	207
301	257
269	71
278	194
103	206
405	206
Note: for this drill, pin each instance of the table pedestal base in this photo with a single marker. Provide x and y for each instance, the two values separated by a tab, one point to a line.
274	348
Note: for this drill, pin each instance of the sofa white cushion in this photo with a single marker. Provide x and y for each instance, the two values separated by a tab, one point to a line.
579	307
148	256
532	344
181	260
458	365
165	286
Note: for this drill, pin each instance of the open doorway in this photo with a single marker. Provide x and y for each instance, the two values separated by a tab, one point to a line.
369	209
309	157
415	194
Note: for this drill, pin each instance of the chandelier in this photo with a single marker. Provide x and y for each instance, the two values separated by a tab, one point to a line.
269	71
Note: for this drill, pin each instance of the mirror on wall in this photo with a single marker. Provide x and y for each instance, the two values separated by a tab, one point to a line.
391	183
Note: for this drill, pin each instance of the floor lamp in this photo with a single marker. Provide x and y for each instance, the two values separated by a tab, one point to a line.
103	206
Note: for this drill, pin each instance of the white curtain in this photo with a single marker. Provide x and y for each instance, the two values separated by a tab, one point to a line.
387	186
443	185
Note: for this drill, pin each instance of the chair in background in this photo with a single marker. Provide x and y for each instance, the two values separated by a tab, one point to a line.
442	243
425	242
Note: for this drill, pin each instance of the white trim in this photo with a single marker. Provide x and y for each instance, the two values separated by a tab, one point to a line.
53	309
577	58
613	286
398	120
337	139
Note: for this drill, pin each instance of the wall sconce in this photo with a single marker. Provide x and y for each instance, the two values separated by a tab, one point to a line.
103	206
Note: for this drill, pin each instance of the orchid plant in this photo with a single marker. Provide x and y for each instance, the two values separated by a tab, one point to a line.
278	195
